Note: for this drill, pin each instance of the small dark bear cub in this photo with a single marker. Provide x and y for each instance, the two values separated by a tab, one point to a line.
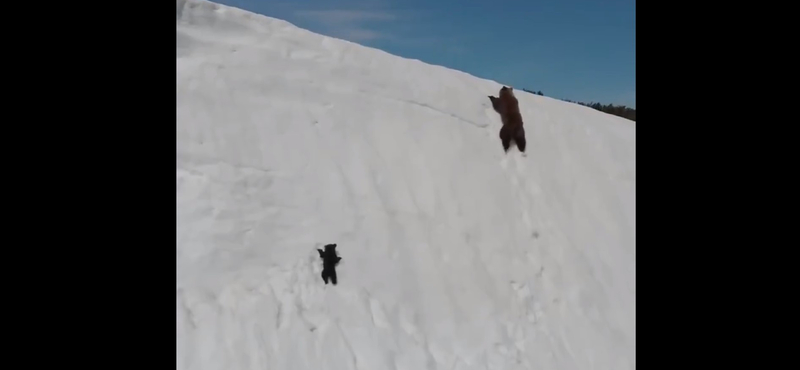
507	106
329	262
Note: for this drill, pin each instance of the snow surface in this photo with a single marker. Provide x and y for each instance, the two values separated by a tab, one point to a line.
455	255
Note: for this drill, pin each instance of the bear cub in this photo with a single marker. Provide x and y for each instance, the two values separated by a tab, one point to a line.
329	262
508	108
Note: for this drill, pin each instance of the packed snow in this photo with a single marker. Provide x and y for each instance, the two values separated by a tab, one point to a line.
455	255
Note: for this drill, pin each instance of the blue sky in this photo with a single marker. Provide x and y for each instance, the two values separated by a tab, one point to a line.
581	50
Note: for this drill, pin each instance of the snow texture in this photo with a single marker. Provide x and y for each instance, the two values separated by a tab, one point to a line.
455	255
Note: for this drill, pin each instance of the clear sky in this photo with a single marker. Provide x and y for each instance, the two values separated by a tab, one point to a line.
581	50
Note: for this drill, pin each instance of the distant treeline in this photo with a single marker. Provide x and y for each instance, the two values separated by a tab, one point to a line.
617	110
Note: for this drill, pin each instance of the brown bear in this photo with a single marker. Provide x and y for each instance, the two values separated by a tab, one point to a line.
329	262
508	108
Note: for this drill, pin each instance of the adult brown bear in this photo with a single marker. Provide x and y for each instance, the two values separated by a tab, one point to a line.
508	108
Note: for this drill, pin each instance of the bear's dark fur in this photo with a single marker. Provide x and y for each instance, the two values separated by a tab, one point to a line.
329	262
508	108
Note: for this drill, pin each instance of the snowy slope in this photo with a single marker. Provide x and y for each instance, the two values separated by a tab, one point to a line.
455	255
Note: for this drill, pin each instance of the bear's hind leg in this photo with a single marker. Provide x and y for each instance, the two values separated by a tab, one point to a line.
520	140
505	138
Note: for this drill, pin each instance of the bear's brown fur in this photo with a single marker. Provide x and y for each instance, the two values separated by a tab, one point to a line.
508	108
